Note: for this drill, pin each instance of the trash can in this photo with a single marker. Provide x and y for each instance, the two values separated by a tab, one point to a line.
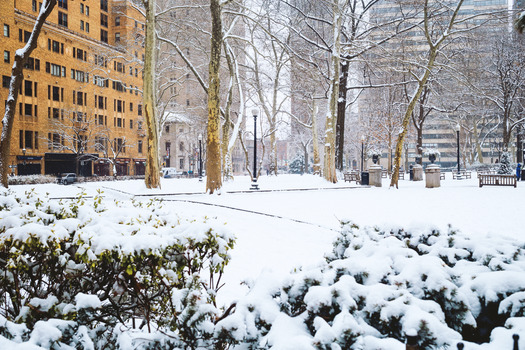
411	173
523	175
365	178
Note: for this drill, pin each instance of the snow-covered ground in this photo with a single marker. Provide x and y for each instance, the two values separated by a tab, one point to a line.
294	219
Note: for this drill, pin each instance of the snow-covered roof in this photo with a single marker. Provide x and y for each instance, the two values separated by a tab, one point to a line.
177	117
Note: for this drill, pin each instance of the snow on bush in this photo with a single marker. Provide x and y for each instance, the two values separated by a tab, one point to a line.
93	274
505	166
377	284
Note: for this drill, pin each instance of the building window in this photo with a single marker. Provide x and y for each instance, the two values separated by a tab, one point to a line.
28	109
131	107
167	128
117	21
100	103
80	98
87	10
62	19
28	139
139	109
23	35
140	146
56	93
87	27
181	146
7	56
62	4
82	8
119	122
104	36
28	88
33	64
101	61
131	123
6	80
55	46
6	30
187	102
80	54
33	5
55	69
81	25
104	20
117	37
104	5
181	163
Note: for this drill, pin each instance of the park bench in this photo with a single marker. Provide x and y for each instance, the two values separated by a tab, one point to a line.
401	175
497	180
384	173
442	176
352	176
463	173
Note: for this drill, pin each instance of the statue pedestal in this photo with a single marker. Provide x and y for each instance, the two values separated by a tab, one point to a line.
375	175
433	176
418	173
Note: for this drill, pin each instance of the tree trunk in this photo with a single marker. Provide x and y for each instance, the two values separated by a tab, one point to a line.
17	76
227	171
341	114
315	142
213	159
477	144
152	174
329	172
419	144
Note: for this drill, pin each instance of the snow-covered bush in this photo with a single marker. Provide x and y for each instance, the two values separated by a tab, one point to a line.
87	273
377	284
504	166
31	179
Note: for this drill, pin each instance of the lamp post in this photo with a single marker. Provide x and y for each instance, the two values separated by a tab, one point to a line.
458	128
362	151
200	157
255	186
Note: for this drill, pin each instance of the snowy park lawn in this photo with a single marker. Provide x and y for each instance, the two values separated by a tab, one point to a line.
290	225
295	218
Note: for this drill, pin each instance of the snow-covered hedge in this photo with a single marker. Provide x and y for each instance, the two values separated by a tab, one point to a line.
94	274
377	284
31	179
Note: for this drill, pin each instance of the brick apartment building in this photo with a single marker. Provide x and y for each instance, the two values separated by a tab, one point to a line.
80	105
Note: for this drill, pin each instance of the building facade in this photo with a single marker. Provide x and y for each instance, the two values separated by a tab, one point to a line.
80	105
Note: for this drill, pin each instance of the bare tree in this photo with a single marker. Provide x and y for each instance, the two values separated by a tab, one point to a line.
74	131
436	31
